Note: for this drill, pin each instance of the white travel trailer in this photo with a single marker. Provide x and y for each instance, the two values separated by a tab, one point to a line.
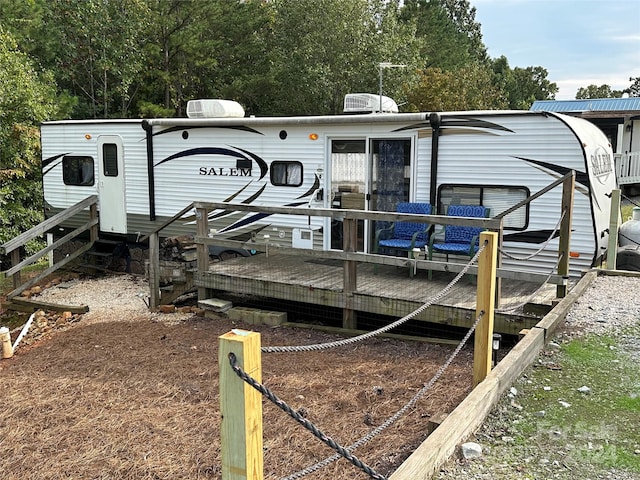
146	171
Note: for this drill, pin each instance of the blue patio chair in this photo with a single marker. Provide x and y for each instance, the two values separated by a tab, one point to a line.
404	236
458	240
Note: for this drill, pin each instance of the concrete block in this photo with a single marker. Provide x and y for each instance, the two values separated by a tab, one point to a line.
215	305
273	318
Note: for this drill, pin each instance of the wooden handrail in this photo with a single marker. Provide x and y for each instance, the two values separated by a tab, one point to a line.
535	195
341	214
168	222
47	225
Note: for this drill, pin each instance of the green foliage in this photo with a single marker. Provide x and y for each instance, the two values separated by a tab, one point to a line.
315	63
461	89
522	86
450	36
152	110
634	89
98	57
594	91
126	58
26	98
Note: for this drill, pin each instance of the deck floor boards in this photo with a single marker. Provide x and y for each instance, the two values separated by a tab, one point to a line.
386	283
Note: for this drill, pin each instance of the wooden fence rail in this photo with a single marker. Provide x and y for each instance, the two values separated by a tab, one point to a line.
13	246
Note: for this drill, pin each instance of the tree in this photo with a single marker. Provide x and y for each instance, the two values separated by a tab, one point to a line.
451	37
634	89
26	98
467	88
315	63
522	86
594	91
100	56
206	49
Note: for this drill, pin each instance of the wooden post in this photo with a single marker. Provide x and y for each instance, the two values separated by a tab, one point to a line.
93	214
350	268
499	263
614	223
240	408
202	230
486	291
5	343
154	270
565	231
15	259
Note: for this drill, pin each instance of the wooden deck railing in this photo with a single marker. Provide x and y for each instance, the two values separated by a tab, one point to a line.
13	246
348	254
627	167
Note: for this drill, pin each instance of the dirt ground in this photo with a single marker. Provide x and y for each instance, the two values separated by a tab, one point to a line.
137	398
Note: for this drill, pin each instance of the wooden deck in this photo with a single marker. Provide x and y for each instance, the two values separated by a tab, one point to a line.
388	291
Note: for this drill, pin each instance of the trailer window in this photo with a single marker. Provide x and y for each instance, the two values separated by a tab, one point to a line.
286	174
110	159
496	198
77	171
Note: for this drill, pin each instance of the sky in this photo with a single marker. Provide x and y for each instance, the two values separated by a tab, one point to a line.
578	42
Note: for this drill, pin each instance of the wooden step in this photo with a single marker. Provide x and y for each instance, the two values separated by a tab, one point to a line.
93	253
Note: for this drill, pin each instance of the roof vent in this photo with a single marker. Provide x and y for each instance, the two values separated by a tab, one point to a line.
211	108
368	102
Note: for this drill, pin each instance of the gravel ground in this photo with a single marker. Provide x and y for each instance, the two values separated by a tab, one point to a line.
111	298
611	307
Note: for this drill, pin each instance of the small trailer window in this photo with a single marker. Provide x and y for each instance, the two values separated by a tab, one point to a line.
77	171
110	159
496	198
286	174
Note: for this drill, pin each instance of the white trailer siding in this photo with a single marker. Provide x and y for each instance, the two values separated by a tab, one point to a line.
233	159
80	138
525	151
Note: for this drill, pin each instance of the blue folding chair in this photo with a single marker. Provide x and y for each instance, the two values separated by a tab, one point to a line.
404	236
459	240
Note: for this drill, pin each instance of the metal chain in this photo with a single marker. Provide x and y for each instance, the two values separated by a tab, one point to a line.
391	420
630	200
544	245
627	238
348	341
301	420
530	297
621	234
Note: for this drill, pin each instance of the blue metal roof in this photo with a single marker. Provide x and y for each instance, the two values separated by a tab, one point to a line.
591	105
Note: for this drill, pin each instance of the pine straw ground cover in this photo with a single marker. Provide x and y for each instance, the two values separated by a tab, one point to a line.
138	399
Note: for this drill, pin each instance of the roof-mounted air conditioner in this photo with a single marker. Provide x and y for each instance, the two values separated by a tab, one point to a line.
368	102
212	108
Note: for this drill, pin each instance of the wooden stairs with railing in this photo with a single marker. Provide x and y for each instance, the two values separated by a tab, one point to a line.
103	256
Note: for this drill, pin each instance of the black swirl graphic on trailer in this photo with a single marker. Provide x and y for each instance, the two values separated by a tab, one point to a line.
242	128
228	152
51	163
314	187
255	217
246	201
459	122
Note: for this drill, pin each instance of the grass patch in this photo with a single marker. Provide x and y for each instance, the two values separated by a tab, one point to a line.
626	212
599	429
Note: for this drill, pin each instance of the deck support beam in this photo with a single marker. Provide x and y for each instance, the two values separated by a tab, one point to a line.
614	224
202	250
483	337
568	186
350	283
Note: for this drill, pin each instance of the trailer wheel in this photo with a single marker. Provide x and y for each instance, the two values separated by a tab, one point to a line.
227	255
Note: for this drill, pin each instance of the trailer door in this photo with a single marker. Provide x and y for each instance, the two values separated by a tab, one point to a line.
111	188
368	174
